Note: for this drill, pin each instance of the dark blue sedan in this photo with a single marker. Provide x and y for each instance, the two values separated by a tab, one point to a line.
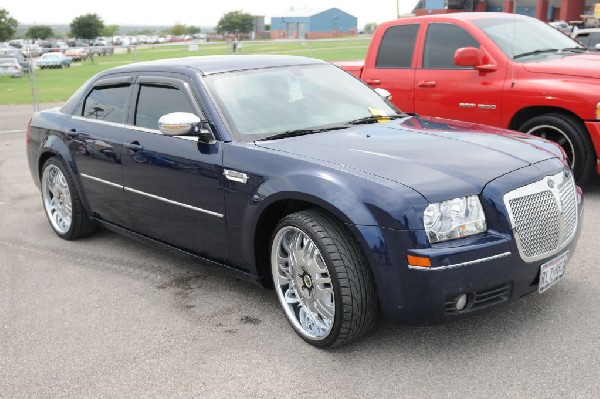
298	176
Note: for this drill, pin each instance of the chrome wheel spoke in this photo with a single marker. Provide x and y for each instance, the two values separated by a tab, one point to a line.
291	296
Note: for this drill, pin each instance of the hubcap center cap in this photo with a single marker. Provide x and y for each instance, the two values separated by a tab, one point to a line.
306	282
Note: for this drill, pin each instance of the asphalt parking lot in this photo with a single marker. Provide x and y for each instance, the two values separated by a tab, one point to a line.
110	317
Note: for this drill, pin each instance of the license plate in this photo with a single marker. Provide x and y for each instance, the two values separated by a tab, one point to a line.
552	272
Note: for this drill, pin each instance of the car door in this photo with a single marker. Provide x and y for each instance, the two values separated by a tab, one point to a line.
173	184
393	69
96	132
446	90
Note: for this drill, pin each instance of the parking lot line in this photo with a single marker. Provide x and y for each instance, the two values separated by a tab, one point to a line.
12	131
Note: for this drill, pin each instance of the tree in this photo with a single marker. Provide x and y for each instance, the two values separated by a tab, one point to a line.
235	21
178	29
370	27
8	25
39	32
88	26
192	30
110	30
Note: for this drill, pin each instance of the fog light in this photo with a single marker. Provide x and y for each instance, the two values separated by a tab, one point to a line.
461	302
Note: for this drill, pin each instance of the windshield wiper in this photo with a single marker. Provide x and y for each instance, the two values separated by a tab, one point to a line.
300	132
535	52
376	118
575	49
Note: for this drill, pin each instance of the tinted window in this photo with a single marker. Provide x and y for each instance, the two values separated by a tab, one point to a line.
583	38
441	43
594	39
156	101
106	103
397	46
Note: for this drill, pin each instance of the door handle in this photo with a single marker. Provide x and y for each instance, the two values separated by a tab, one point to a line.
374	82
71	132
134	146
427	83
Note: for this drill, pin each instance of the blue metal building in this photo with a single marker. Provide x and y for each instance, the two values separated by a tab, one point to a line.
304	23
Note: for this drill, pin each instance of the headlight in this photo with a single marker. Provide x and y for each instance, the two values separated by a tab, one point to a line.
455	218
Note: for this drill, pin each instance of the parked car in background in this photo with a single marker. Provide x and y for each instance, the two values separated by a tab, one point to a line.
562	26
12	52
77	53
298	176
590	37
53	60
11	67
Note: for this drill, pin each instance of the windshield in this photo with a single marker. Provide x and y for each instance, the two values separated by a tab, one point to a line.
264	102
525	36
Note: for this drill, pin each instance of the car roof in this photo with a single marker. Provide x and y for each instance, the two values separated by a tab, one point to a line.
587	30
208	65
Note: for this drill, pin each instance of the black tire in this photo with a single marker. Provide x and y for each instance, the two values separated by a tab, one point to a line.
80	223
571	134
354	294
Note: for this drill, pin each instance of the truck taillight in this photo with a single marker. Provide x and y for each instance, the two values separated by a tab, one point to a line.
598	111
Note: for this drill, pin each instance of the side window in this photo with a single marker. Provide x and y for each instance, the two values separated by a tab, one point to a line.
441	43
155	101
583	39
397	47
106	103
594	39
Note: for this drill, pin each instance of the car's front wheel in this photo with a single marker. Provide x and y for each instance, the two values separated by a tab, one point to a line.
322	279
572	136
62	202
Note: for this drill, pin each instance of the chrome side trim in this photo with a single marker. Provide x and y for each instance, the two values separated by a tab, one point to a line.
471	262
235	176
168	201
156	197
99	121
98	180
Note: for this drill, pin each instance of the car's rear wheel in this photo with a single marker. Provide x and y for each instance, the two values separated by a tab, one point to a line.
322	279
62	202
571	135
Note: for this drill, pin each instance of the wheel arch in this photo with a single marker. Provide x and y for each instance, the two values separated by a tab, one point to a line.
524	114
268	219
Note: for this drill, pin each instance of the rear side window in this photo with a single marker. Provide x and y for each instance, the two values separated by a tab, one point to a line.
106	103
583	38
441	43
155	101
397	47
594	39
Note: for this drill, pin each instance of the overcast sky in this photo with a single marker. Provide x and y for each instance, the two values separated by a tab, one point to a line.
198	13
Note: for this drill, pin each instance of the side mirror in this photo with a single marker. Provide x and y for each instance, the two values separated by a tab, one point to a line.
179	123
468	57
474	57
597	46
386	95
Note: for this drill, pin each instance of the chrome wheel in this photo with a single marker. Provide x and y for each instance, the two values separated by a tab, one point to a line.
303	283
57	199
554	133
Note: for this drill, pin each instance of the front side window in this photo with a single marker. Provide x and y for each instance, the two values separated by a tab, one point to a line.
155	101
441	43
397	47
106	103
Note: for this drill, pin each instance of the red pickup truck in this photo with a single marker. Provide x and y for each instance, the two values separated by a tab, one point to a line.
498	69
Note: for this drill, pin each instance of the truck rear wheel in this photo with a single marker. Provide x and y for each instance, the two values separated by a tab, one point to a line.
571	135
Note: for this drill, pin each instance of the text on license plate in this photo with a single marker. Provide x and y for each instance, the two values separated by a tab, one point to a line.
552	271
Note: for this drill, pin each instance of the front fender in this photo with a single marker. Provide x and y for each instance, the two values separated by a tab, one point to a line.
357	199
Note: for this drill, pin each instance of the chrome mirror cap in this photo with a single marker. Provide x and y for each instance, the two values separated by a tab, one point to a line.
178	123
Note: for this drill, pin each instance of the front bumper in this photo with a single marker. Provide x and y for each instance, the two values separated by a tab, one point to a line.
488	267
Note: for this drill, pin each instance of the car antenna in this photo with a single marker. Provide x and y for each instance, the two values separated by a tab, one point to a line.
514	49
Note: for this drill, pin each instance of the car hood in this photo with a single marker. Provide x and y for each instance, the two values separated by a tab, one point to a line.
585	65
440	159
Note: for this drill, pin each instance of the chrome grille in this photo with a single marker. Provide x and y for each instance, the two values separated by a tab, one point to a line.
543	215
